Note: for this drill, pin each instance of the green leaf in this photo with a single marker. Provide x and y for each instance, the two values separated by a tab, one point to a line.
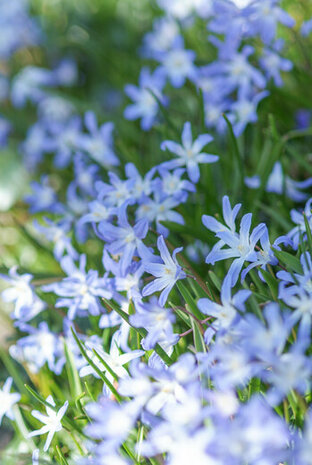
40	398
236	154
291	262
61	458
72	373
189	300
215	280
182	315
271	282
12	369
198	337
254	387
308	231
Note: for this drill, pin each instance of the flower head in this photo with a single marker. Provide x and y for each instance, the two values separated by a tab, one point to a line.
189	152
167	273
52	421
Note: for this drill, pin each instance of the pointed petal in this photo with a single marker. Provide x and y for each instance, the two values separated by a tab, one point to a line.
187	138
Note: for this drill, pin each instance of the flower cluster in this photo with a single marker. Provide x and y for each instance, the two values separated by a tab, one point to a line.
235	81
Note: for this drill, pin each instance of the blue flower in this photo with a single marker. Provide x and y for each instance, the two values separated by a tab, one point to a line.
241	246
265	15
58	234
145	104
160	208
52	421
166	273
161	38
273	63
238	73
117	192
244	111
300	228
43	197
306	28
190	152
21	292
99	143
39	347
141	186
171	184
81	290
178	64
66	139
157	321
226	312
123	240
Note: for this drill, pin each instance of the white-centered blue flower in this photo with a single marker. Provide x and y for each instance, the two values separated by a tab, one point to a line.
189	152
52	421
167	273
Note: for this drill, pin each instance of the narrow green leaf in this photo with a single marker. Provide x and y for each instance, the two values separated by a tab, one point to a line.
72	373
254	387
40	398
61	457
198	337
189	300
13	371
236	153
215	280
271	282
308	231
108	368
291	262
182	315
